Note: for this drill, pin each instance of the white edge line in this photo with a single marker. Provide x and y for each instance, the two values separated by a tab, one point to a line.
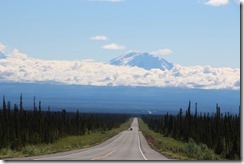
139	143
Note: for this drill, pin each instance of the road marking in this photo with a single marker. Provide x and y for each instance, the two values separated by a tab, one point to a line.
139	143
87	149
97	158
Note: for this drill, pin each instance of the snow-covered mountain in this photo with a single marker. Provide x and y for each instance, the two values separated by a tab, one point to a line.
2	56
143	60
19	67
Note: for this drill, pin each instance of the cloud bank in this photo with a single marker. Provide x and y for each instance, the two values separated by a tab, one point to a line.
18	67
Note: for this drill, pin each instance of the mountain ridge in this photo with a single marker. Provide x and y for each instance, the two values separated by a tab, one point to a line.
143	60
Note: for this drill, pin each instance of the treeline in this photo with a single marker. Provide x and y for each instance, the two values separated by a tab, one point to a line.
20	127
220	132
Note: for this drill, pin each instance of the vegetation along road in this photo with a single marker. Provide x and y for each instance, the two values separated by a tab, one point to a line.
127	145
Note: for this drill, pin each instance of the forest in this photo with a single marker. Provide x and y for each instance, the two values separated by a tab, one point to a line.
20	127
220	132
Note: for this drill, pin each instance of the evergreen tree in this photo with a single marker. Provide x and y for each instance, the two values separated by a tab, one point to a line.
219	132
21	103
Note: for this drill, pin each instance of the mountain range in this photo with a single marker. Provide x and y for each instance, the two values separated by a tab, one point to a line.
131	69
143	60
132	83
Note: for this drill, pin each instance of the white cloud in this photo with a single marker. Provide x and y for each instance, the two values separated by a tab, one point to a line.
113	1
162	52
2	47
216	2
100	37
16	54
19	67
113	46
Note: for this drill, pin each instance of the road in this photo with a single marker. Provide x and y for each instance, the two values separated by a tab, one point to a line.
127	145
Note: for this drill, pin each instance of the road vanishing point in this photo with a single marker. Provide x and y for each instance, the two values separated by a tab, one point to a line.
127	145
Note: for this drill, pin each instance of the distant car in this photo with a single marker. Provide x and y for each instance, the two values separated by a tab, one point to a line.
131	129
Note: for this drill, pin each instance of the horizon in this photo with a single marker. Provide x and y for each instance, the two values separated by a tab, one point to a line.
120	99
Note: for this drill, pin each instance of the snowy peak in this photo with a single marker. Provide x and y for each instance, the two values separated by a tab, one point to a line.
142	60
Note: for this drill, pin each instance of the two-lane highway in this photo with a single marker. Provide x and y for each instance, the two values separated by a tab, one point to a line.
128	145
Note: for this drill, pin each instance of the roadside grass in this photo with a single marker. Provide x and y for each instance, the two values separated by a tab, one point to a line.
65	144
174	149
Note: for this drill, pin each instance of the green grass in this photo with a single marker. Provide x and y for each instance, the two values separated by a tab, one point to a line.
174	149
65	144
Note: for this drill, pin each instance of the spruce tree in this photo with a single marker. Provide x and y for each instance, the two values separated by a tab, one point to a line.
21	103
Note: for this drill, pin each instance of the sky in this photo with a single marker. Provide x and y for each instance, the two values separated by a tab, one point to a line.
189	33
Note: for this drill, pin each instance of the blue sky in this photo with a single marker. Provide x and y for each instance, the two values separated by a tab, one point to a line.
197	32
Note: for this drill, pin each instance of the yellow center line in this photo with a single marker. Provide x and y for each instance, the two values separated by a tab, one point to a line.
97	158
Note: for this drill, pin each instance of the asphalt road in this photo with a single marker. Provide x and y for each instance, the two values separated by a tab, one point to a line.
128	145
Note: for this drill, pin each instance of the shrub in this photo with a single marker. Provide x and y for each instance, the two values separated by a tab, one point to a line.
30	150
